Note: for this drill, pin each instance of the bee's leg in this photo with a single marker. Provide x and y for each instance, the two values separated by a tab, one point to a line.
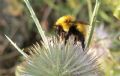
67	36
76	39
83	44
60	33
57	32
82	39
63	35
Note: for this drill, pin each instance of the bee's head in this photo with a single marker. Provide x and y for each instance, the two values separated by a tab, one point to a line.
64	22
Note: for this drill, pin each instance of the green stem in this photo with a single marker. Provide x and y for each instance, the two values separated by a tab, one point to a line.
92	22
37	23
89	8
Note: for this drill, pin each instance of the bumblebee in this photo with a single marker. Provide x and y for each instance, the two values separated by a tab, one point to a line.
68	25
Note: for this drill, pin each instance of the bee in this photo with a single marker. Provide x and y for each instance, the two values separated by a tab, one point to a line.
68	25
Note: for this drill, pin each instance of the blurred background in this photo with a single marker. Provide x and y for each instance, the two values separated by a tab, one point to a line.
16	23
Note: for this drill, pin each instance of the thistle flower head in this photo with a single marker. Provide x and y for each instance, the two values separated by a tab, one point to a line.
60	60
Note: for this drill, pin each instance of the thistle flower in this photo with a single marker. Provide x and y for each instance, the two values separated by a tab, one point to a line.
60	60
